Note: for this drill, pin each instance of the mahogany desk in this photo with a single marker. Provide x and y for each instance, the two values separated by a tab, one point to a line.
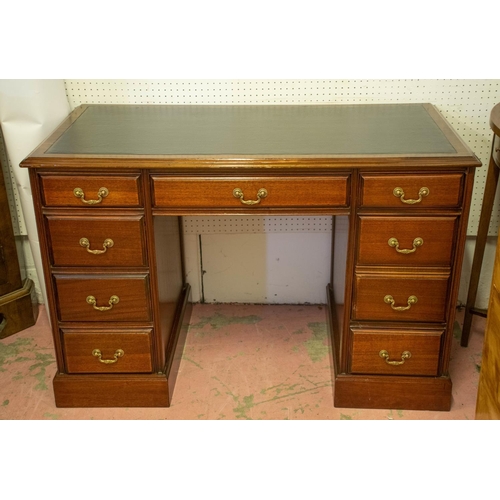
111	183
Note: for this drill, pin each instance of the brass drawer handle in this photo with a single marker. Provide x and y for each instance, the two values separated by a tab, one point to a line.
404	356
399	193
85	243
394	243
388	299
102	193
261	193
118	354
112	301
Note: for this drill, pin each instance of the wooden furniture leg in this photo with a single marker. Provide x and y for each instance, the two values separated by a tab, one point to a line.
482	234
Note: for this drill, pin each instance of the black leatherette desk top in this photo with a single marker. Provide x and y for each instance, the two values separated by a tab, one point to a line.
249	130
325	135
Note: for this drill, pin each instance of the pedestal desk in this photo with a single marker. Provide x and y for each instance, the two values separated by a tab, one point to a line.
112	182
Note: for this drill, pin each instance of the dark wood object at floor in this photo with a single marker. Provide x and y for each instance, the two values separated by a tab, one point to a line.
18	303
490	189
112	182
488	393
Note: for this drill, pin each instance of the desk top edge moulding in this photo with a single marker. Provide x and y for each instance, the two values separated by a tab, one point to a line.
112	182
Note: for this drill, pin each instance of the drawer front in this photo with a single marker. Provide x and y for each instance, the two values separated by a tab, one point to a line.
75	301
401	297
406	241
412	191
254	193
96	241
386	352
92	190
107	352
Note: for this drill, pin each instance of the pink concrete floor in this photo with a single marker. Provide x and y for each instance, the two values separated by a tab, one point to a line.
258	362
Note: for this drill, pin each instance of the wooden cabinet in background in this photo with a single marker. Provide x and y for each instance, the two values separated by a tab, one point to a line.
488	395
18	304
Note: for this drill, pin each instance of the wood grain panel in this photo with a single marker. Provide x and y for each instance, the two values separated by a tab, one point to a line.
424	347
217	192
381	391
80	344
445	190
127	234
73	290
488	393
430	290
57	190
108	391
437	234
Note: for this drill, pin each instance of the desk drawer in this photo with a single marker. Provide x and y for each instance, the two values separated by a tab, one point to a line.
401	297
94	351
265	192
412	191
94	190
97	241
405	352
406	241
75	301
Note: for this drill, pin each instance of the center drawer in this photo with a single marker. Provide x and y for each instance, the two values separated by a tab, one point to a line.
400	297
105	241
103	298
250	192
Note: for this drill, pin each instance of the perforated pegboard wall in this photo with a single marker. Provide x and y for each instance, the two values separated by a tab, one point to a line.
466	104
249	224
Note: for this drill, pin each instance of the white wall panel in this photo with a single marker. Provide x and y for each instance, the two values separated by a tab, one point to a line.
275	268
274	260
